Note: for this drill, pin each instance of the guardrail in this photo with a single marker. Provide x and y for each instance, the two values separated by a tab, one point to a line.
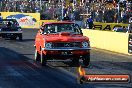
113	41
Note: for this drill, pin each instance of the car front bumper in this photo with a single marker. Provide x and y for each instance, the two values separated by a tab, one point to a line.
66	51
10	32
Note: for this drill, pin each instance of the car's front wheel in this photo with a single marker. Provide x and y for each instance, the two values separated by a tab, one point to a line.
86	59
75	61
43	59
20	37
3	36
13	38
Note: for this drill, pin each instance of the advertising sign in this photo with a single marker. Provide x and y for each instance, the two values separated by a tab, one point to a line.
108	26
25	20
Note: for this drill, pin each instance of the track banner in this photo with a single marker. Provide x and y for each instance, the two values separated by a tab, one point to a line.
25	20
108	26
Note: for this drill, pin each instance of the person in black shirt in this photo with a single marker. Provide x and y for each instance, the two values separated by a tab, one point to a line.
66	18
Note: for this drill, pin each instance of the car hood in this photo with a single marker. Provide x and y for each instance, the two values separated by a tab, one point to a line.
65	38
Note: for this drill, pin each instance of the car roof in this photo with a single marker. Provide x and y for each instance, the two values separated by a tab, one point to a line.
58	22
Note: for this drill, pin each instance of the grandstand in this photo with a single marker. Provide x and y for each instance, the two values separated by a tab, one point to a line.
100	10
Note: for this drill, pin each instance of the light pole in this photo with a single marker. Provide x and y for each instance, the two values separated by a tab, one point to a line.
118	8
1	6
62	5
40	5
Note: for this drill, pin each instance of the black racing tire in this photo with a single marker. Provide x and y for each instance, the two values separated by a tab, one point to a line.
20	37
13	38
36	56
86	59
75	61
81	80
2	35
43	59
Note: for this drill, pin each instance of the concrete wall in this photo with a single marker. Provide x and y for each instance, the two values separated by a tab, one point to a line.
113	41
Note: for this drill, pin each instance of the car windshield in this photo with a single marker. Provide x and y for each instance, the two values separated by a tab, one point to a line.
57	28
7	23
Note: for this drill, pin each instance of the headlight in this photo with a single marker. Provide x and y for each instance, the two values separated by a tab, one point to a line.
0	29
85	44
48	45
19	29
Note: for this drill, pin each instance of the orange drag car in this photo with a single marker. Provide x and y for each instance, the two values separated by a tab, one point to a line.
61	41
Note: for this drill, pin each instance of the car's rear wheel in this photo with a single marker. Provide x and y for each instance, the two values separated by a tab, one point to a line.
37	56
43	60
20	37
86	59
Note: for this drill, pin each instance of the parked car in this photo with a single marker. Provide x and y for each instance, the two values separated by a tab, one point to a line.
9	28
61	41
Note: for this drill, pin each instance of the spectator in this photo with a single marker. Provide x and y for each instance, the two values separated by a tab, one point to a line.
37	9
103	14
90	22
130	25
123	16
66	18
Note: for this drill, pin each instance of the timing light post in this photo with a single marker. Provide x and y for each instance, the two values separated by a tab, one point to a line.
40	5
62	5
118	8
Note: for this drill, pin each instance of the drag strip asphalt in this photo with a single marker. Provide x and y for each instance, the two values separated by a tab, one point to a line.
18	69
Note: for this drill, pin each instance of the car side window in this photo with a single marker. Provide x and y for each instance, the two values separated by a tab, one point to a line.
46	28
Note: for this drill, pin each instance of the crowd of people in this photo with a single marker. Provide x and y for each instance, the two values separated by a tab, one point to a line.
19	6
100	10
